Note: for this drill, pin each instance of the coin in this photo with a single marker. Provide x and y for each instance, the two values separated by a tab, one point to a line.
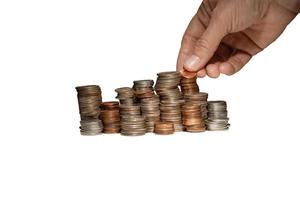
132	121
164	128
110	117
91	127
125	95
143	89
199	98
217	116
150	111
188	74
189	86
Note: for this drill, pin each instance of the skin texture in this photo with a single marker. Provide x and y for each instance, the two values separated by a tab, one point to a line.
224	34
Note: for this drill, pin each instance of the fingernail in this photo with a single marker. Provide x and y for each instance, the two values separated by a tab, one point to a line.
192	63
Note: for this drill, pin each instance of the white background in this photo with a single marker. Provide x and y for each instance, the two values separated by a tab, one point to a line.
49	47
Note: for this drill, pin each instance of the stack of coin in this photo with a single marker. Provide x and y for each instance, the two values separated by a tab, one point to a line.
143	89
171	98
89	100
132	122
192	117
199	99
164	128
125	95
150	111
110	116
91	127
189	85
217	116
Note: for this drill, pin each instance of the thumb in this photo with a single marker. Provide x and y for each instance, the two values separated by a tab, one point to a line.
207	44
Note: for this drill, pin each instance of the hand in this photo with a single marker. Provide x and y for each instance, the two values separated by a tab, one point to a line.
224	34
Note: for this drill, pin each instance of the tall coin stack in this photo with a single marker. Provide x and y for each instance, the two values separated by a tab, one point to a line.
132	122
89	100
149	102
171	98
198	99
217	116
189	86
192	117
125	95
110	116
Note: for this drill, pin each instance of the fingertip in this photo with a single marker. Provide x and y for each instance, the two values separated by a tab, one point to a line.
192	63
212	71
226	68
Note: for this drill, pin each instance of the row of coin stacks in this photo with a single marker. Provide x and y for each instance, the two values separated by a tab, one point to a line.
172	104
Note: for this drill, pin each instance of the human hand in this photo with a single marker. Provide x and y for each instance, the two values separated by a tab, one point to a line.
224	34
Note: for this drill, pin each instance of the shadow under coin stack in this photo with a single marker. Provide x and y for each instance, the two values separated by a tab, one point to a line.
149	102
189	86
164	128
217	116
125	95
192	117
198	99
89	100
110	116
171	98
132	122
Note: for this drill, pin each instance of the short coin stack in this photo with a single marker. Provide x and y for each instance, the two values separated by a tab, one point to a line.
192	117
132	122
189	86
110	116
91	127
171	98
199	99
164	128
217	116
125	95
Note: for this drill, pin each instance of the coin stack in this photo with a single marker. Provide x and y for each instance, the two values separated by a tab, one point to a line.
91	127
199	98
89	100
171	98
132	122
125	95
192	117
217	116
189	86
164	128
110	116
149	102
